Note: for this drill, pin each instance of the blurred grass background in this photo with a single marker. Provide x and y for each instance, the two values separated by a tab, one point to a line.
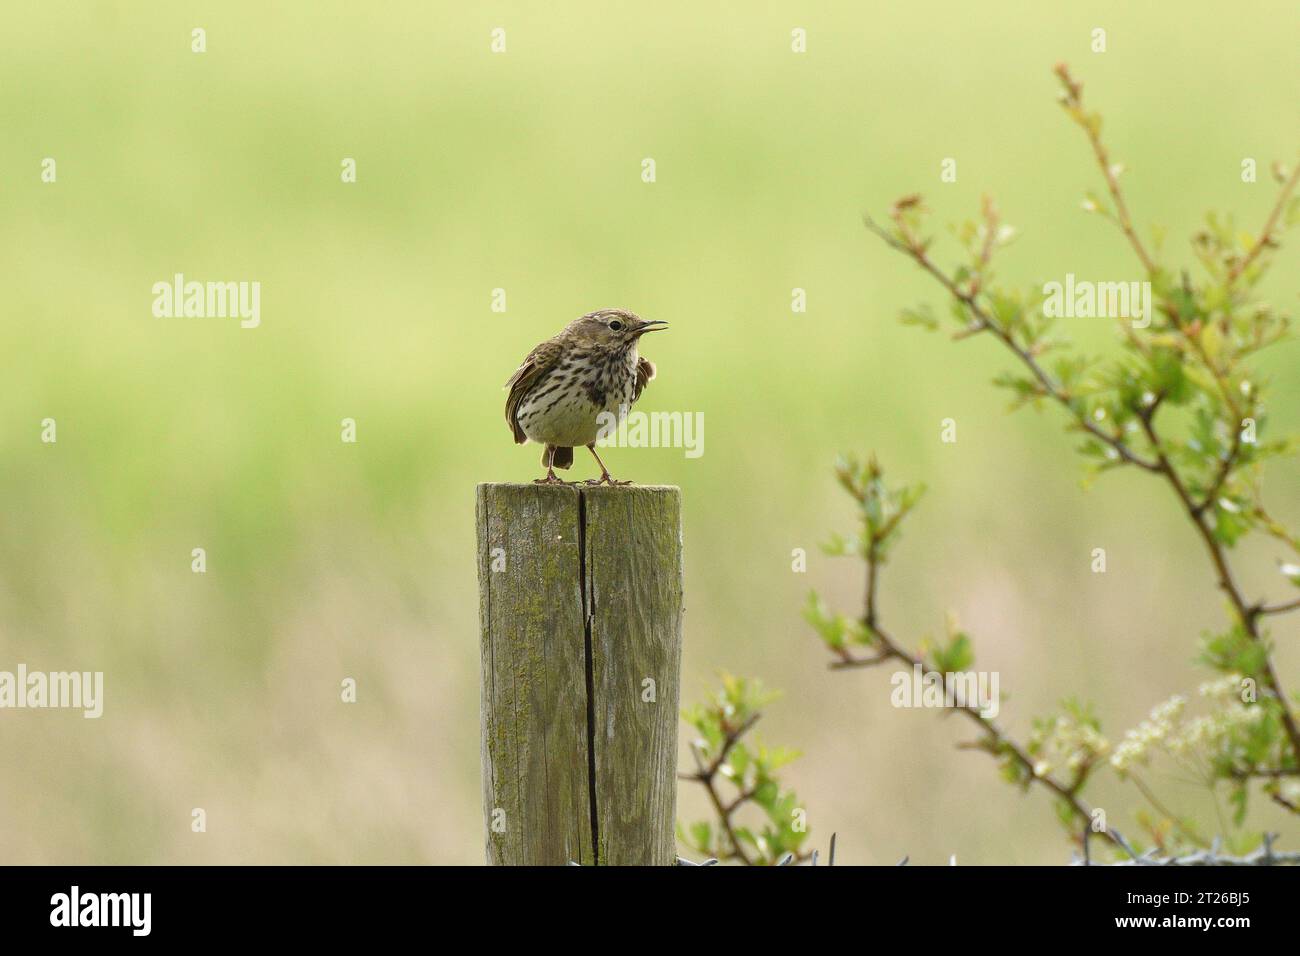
522	171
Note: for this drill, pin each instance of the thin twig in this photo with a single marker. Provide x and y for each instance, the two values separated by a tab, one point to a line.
1247	614
706	775
1266	235
983	322
1074	102
913	247
998	742
1264	609
1221	477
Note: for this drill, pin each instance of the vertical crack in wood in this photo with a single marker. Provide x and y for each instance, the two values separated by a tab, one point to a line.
587	603
487	689
538	663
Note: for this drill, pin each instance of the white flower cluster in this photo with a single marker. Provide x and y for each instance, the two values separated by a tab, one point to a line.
1222	691
1135	748
1166	729
1066	742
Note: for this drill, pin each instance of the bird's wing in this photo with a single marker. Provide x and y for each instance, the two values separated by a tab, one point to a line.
540	361
645	371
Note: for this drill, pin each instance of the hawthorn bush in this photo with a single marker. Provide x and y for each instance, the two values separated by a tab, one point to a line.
1177	399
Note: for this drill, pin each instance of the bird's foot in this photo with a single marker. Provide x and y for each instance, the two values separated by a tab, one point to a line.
551	479
607	479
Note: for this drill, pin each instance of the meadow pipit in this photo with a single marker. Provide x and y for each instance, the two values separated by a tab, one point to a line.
563	388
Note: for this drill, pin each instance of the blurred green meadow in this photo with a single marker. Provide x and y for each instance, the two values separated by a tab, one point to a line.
522	171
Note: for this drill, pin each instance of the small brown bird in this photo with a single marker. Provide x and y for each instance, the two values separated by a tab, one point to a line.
571	384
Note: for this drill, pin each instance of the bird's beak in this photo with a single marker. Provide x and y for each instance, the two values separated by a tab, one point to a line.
654	325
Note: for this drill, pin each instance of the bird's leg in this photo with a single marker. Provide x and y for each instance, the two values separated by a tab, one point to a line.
605	477
551	477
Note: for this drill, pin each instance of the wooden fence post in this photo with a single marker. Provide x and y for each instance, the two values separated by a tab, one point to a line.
580	620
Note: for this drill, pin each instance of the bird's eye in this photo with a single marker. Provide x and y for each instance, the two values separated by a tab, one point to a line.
616	326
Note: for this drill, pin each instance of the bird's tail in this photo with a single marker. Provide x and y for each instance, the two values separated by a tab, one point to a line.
563	457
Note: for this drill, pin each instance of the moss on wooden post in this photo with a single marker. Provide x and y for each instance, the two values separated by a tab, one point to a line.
580	610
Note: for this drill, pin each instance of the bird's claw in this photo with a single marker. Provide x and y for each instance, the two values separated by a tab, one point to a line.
607	479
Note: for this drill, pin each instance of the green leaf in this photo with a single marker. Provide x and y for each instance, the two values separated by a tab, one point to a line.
1167	377
838	546
1234	652
922	316
1065	814
958	655
739	760
831	627
1293	212
701	834
1238	796
1230	523
775	758
766	794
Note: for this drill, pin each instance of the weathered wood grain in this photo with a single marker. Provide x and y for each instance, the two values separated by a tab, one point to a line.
534	676
633	567
580	634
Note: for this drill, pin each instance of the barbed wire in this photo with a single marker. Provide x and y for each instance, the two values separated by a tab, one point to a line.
1213	856
1265	855
787	860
